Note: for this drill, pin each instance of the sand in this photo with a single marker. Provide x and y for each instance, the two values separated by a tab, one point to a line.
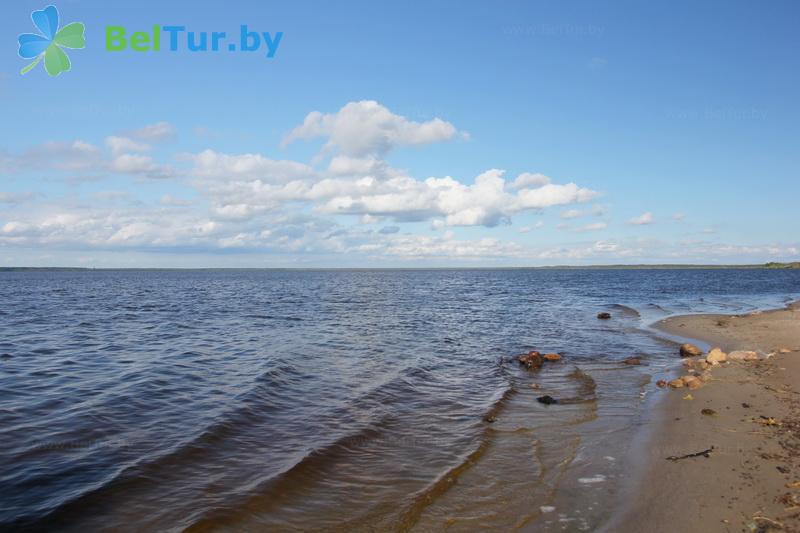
751	479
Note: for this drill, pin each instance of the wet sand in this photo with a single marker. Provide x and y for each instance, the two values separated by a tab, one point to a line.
751	479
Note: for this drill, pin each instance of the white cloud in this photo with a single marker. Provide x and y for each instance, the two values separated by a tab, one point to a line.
215	165
594	226
367	128
642	220
445	246
553	195
571	213
84	161
249	201
168	199
159	131
487	202
140	165
528	179
72	156
528	229
16	198
118	145
369	219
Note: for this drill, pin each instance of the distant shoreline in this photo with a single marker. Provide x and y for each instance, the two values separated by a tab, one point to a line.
764	266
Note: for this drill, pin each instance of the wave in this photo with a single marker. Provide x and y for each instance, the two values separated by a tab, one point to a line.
625	310
300	475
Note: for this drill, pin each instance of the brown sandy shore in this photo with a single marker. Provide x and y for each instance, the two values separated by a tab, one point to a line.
751	479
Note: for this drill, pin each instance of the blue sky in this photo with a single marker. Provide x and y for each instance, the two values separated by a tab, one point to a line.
411	134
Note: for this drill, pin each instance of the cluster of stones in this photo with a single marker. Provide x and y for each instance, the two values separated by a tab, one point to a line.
534	360
699	368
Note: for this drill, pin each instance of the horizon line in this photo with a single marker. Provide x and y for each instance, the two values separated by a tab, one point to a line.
769	265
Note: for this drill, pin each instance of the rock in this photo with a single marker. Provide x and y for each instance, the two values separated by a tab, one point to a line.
661	383
676	384
692	382
490	419
535	385
633	361
695	364
604	316
552	357
690	350
743	355
708	412
716	356
531	360
547	400
784	350
705	377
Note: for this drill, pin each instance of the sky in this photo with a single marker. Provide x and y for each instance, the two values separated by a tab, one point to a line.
406	134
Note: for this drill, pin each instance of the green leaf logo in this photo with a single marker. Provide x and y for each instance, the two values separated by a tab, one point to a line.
50	44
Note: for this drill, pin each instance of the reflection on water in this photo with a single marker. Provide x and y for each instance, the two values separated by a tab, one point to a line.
332	400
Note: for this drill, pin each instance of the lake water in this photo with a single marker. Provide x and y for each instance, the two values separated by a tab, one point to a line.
372	400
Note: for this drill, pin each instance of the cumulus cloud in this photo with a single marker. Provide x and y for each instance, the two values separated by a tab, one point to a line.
82	226
140	165
529	180
215	165
140	140
487	202
82	160
251	201
367	128
245	185
118	145
642	220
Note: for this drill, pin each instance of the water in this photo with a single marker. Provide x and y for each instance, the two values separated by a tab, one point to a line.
334	400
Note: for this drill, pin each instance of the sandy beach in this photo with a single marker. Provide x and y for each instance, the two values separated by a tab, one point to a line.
749	412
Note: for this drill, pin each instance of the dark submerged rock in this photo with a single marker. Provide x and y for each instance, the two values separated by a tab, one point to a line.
603	316
546	399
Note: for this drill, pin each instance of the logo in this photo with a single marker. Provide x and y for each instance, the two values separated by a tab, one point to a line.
177	38
50	44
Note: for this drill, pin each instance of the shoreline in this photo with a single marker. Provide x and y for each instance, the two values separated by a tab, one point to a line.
749	481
